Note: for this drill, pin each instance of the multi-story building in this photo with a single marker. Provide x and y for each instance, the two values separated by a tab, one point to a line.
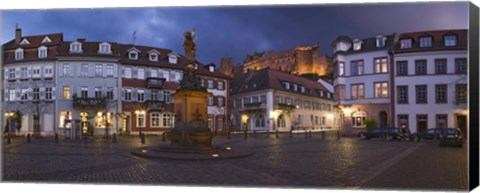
29	66
362	80
431	80
412	80
269	99
299	60
100	87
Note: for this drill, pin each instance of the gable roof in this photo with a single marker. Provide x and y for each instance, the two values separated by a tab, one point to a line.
273	79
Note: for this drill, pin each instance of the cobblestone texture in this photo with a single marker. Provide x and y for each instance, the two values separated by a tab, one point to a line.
279	162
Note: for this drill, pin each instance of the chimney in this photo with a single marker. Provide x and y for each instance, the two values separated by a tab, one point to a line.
81	40
18	35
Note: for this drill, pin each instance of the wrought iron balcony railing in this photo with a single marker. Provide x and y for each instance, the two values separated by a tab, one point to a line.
89	103
155	82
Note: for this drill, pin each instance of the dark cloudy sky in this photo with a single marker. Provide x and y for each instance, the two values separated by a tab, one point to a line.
237	31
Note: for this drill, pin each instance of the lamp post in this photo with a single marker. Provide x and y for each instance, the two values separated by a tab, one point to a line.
9	123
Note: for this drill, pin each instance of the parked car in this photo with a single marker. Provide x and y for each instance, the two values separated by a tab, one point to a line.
432	133
451	136
387	133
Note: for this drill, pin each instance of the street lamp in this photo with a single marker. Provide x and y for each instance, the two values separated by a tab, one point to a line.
137	113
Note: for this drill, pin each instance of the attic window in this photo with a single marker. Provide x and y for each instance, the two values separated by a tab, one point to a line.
133	55
211	68
19	54
302	89
287	85
405	43
380	41
24	41
450	40
46	40
153	57
172	59
357	45
425	42
104	48
76	47
42	52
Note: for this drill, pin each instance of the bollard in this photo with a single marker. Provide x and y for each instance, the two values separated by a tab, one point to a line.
56	138
323	134
8	138
276	134
309	133
114	138
228	135
142	138
268	133
164	137
254	133
338	135
29	140
291	133
245	134
306	135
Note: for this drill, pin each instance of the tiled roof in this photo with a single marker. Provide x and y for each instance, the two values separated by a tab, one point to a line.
60	48
35	41
272	79
437	40
368	44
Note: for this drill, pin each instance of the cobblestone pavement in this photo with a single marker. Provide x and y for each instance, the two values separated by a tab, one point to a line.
277	162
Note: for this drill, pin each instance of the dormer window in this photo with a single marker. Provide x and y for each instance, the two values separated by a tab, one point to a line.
24	42
287	85
104	48
380	41
153	57
133	53
425	42
46	40
19	54
357	44
76	47
42	52
405	43
450	40
172	59
302	89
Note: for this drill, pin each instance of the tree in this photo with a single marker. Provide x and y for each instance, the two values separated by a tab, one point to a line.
370	124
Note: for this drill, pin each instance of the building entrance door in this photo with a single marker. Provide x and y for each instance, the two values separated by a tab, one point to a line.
462	124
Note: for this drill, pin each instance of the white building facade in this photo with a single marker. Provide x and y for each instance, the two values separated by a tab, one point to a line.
270	100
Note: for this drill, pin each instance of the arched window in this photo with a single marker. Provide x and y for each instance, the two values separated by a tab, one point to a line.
358	118
260	121
281	121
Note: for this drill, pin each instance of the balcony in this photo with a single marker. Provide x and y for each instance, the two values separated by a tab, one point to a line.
89	103
153	105
253	107
155	82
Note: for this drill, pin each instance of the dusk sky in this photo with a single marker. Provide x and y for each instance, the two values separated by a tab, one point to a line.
237	31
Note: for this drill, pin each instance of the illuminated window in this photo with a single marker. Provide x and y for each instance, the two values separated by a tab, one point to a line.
381	65
66	92
102	120
281	121
358	119
357	91
140	120
65	115
381	90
